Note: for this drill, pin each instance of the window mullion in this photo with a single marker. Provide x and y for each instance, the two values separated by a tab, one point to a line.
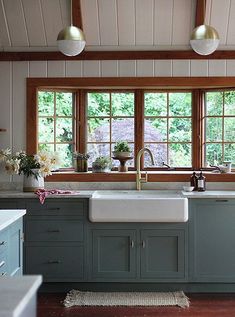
81	102
197	139
139	123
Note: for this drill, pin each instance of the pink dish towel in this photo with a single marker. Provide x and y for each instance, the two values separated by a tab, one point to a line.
43	193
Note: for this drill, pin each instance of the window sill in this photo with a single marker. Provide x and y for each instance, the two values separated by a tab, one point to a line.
153	176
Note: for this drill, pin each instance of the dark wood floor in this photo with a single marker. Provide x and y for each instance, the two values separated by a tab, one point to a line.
201	305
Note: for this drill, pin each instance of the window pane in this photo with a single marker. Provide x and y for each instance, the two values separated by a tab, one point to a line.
123	129
229	129
159	153
155	104
66	154
180	104
98	130
229	152
45	130
213	154
229	103
64	129
98	104
214	103
45	103
64	104
46	147
122	104
180	155
180	130
155	130
214	129
95	150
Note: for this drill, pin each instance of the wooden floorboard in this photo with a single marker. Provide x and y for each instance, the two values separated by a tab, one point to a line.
201	305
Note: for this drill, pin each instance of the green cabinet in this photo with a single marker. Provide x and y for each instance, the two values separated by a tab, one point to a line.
212	240
55	239
146	252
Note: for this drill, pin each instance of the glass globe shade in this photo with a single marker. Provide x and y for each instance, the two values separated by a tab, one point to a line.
204	40
71	41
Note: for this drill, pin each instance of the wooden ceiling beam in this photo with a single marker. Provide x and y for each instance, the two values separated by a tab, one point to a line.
113	55
200	12
77	13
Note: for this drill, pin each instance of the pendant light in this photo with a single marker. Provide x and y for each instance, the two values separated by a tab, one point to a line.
71	40
204	38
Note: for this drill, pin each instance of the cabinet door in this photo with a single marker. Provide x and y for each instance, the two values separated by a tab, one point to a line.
163	254
15	248
113	254
212	227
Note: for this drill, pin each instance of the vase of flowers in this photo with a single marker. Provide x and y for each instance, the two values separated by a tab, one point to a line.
33	167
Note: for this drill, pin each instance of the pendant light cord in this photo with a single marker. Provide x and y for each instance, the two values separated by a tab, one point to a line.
71	12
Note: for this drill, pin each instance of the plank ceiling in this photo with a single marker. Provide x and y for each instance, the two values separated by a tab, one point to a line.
33	25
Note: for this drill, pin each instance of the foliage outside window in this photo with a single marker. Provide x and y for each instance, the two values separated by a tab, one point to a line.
219	126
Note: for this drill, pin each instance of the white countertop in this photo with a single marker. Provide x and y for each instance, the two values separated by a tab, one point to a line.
210	194
8	216
16	292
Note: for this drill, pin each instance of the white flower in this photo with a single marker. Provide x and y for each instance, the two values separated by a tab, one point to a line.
4	154
12	166
45	170
55	160
42	157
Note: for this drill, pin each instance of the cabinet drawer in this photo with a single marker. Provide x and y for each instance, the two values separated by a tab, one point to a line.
55	263
53	230
56	207
3	264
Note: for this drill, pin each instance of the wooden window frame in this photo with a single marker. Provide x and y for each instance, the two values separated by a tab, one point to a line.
139	84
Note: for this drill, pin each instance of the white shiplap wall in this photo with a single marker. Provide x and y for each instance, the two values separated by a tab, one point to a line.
13	84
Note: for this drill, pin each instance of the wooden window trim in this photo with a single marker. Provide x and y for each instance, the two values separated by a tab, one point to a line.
139	84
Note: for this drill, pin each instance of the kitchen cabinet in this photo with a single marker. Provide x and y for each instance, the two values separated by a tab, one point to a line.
212	240
144	252
55	238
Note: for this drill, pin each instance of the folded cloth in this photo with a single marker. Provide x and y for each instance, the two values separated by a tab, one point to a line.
43	193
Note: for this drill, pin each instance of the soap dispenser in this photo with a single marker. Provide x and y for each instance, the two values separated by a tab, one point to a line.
193	180
201	183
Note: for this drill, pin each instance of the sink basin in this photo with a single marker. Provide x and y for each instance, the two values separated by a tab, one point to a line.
138	206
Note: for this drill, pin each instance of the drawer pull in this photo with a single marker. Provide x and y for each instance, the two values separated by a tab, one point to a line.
3	243
53	231
143	244
221	200
53	262
2	263
3	274
132	244
53	209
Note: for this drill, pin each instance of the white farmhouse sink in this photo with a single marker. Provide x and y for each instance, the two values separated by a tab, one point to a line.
138	206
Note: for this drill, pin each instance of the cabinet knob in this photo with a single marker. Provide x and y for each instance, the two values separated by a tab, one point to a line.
3	274
143	244
2	263
3	243
132	244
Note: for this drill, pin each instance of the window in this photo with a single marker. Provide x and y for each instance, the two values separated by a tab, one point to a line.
219	127
55	128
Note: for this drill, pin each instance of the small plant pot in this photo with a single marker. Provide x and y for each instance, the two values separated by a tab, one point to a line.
97	169
121	154
80	165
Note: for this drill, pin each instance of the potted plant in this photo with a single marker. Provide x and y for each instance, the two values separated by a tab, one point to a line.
80	162
121	149
102	164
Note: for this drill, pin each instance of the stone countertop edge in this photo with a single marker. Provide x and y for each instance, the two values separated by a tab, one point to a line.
219	194
16	293
8	216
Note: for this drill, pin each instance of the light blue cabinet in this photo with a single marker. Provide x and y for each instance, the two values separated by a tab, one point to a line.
212	240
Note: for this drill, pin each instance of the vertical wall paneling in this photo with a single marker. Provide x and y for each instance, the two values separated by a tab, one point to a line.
108	22
163	68
34	23
90	21
208	12
230	68
126	22
16	22
127	68
182	20
56	68
109	69
144	22
65	12
4	30
217	67
37	69
163	22
231	25
52	20
91	69
219	18
73	68
20	73
144	68
181	68
198	68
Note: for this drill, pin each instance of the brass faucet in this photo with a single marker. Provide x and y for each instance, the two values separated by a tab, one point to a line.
139	178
